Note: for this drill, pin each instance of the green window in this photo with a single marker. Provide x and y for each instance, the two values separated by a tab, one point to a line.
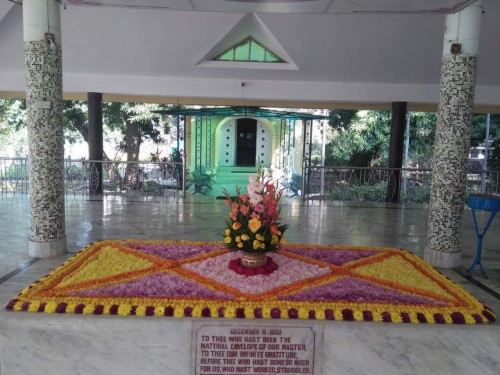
249	51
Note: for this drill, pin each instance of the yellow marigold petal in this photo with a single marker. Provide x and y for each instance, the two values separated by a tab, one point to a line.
34	306
249	312
179	312
50	307
337	314
124	310
230	312
159	311
469	319
266	312
303	313
140	310
17	306
214	311
320	314
109	261
358	315
395	317
447	319
196	313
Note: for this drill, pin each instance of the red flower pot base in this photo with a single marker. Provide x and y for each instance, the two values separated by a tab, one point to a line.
236	266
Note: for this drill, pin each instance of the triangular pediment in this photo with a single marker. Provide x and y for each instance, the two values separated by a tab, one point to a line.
250	45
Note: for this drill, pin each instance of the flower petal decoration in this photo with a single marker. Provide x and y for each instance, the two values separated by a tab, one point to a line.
193	279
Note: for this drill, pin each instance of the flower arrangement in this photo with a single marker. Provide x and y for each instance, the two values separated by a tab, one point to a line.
254	218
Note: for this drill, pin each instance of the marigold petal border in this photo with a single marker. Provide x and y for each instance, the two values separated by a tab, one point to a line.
463	308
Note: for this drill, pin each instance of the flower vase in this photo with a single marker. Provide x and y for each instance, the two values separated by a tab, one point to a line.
253	260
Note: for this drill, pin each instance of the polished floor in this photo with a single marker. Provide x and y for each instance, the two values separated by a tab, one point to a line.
198	217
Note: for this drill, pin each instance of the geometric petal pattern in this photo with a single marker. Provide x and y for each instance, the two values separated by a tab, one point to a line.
159	285
192	279
355	290
109	262
390	270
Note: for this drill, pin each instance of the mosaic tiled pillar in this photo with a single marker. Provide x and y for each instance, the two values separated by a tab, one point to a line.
449	169
42	53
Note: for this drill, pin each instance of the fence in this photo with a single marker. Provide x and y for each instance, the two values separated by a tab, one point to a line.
352	184
343	184
118	177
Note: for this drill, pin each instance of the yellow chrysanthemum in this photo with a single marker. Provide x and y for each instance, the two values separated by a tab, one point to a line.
245	237
254	224
227	239
240	245
256	244
238	239
227	232
259	236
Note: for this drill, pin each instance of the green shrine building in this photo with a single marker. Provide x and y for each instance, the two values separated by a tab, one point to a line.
228	143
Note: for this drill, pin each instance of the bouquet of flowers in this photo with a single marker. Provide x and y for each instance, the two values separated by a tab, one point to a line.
254	218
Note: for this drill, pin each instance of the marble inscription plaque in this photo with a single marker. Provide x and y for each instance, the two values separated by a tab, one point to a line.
255	349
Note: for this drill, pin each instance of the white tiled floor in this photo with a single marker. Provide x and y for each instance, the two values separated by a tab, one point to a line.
42	343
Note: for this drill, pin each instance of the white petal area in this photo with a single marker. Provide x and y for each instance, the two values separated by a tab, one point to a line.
289	271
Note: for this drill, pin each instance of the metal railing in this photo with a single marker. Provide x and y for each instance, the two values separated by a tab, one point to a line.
118	177
343	184
401	185
14	175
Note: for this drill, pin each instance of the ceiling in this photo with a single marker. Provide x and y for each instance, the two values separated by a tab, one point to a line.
343	53
286	6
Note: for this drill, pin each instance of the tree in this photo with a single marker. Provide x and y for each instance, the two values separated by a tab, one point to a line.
12	114
75	121
478	131
360	138
341	119
12	120
422	134
137	122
